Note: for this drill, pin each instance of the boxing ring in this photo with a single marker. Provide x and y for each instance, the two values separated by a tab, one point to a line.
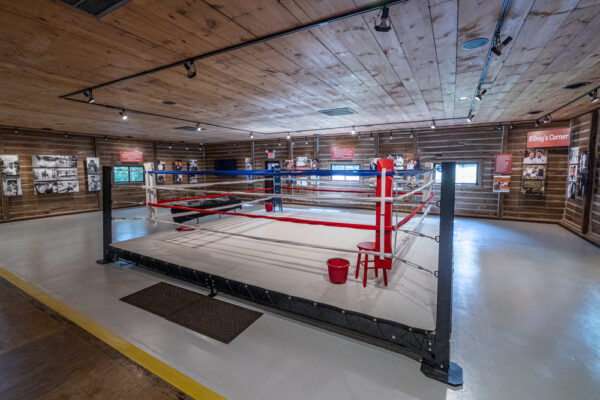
279	258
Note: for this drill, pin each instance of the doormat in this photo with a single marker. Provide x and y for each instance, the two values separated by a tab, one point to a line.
208	316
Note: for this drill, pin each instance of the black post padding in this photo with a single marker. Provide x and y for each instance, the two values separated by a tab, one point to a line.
106	215
438	366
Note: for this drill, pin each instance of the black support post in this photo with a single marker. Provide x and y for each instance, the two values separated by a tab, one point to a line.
107	256
437	365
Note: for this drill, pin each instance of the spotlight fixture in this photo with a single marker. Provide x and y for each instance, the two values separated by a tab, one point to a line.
499	127
391	135
432	124
170	146
251	135
278	142
123	114
594	96
470	117
371	136
187	147
384	24
66	135
16	131
498	46
412	135
353	131
510	126
198	127
118	140
306	141
480	94
288	137
547	119
536	124
88	94
190	69
106	138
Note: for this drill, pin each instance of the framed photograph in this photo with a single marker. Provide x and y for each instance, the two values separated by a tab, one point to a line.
571	190
533	186
9	165
501	184
412	163
11	186
535	156
572	173
94	183
66	161
45	187
67	186
178	166
583	162
537	172
574	155
92	165
398	161
161	165
193	165
43	161
45	174
66	173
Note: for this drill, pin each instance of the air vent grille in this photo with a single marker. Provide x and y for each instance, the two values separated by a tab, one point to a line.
97	8
336	112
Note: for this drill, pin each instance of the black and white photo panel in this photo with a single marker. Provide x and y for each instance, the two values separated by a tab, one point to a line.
92	165
9	165
67	186
51	161
66	173
94	183
45	187
11	186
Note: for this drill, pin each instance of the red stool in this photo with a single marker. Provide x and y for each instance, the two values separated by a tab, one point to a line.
368	246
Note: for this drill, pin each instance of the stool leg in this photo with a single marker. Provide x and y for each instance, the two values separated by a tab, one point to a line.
366	269
357	266
375	263
385	277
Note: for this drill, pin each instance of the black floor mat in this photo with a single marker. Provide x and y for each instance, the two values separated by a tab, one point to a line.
211	317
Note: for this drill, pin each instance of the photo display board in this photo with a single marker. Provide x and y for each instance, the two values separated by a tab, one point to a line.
10	172
54	174
92	165
533	179
578	173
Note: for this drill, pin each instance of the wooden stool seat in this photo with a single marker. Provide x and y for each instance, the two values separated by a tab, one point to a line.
367	246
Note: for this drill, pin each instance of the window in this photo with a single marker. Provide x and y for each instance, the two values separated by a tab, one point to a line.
123	174
466	173
345	167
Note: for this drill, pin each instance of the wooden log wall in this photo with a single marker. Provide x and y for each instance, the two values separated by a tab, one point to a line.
593	233
26	143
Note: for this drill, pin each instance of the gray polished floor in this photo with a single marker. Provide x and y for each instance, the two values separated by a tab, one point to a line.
526	318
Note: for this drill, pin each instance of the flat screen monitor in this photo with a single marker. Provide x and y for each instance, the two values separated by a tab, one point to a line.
121	174
136	174
225	165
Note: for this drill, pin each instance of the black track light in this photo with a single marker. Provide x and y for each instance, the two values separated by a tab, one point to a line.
278	142
432	125
123	114
198	127
480	94
371	136
106	138
547	119
384	24
470	117
16	131
170	146
594	96
391	135
66	135
251	135
498	46
536	124
306	141
89	95
187	147
288	137
353	131
499	127
190	69
510	126
412	134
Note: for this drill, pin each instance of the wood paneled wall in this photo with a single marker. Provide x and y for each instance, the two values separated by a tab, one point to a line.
593	233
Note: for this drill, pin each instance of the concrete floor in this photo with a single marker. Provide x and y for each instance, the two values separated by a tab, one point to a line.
526	318
409	298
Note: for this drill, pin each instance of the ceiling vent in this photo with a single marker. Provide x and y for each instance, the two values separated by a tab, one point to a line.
534	112
187	128
97	8
576	85
336	112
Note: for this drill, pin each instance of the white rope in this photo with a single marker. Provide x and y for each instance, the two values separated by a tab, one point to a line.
184	214
184	187
419	189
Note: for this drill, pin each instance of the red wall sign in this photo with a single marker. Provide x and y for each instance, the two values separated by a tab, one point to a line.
342	153
503	164
549	138
131	156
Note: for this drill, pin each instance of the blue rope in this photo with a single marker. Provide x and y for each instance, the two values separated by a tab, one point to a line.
319	172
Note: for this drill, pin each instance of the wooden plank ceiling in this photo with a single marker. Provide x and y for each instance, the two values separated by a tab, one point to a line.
417	71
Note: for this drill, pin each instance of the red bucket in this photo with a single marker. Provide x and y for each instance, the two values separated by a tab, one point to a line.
338	270
269	207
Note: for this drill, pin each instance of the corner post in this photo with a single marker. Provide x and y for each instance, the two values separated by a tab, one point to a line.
277	187
438	365
106	215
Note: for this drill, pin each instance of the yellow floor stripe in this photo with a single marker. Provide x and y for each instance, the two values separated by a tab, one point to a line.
159	368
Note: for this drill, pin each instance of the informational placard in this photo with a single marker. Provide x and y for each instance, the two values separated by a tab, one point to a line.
131	156
342	153
503	164
549	138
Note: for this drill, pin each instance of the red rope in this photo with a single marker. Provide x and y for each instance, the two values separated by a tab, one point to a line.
213	196
414	212
283	219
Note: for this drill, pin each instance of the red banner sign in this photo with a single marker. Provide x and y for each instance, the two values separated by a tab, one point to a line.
549	138
131	156
342	153
503	165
